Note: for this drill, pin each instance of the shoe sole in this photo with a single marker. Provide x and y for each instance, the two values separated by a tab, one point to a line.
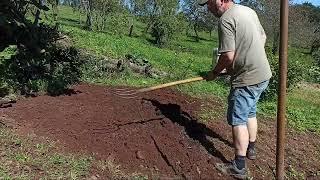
221	168
238	176
252	157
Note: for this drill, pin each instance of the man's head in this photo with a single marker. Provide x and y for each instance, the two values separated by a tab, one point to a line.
217	7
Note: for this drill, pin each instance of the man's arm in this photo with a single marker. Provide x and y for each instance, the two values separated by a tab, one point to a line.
225	60
264	36
262	32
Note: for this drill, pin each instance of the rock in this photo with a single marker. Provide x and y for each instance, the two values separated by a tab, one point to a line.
155	168
64	42
93	177
6	102
7	122
139	155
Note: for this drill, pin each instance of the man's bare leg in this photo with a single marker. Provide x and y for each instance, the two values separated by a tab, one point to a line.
252	128
240	139
237	167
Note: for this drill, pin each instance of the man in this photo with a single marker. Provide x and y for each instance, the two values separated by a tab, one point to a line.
241	45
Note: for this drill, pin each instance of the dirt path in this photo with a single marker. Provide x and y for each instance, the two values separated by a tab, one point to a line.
157	134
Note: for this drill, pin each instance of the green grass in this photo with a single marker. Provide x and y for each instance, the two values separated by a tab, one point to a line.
304	109
178	63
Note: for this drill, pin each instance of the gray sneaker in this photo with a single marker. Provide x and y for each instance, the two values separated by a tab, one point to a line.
232	170
251	153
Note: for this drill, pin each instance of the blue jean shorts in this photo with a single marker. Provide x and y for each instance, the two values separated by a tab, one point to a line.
242	103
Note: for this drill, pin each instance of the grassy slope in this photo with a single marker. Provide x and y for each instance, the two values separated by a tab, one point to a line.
186	58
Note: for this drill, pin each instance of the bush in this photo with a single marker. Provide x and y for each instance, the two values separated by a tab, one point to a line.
316	56
118	23
53	70
314	71
160	31
314	74
163	29
296	73
65	70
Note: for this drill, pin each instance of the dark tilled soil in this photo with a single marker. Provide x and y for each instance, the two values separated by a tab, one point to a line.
157	134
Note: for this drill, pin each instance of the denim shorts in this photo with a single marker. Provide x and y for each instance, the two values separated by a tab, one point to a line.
242	103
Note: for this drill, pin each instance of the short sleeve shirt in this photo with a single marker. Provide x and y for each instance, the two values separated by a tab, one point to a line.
240	31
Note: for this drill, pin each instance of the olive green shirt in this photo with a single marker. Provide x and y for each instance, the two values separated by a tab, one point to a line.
240	31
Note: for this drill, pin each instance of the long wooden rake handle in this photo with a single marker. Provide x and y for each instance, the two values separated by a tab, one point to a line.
170	84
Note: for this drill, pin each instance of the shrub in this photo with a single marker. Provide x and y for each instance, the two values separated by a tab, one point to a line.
314	74
296	73
316	56
118	23
314	71
163	30
160	31
52	70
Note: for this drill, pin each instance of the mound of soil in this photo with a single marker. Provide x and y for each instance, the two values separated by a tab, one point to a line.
157	134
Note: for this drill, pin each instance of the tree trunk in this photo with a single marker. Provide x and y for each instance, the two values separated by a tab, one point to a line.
130	31
152	18
315	46
188	29
196	32
37	15
131	27
37	18
89	21
148	26
55	13
88	7
275	45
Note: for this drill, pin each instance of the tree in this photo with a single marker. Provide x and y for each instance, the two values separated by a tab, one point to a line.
303	25
313	14
269	14
198	18
103	14
193	13
160	17
15	29
55	11
39	59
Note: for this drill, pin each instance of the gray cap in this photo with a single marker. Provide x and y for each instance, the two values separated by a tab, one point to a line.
202	2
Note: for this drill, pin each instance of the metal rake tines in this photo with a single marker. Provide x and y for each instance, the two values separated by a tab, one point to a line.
132	93
126	93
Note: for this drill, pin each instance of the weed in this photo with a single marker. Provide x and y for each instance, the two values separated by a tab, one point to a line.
109	165
23	159
294	174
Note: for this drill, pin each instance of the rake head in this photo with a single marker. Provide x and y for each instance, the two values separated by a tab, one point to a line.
125	93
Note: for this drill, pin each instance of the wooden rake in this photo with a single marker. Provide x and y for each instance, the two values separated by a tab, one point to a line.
133	93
